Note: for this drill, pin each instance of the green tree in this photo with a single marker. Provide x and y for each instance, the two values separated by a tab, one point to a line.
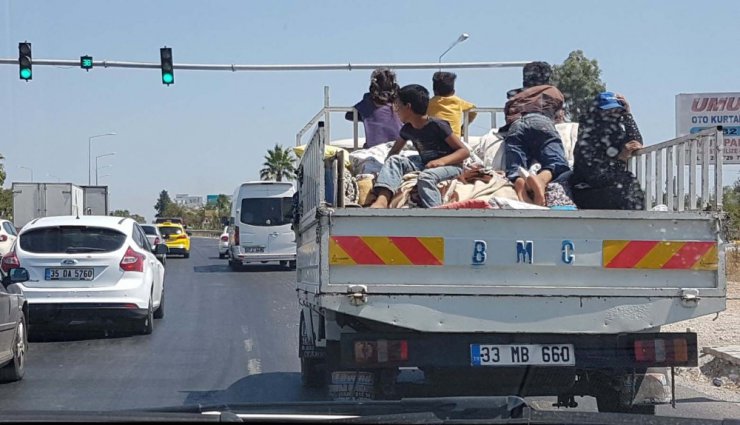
173	209
163	202
731	205
2	171
125	213
278	164
6	195
579	79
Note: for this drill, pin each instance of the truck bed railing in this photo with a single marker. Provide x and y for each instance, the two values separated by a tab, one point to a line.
662	171
311	174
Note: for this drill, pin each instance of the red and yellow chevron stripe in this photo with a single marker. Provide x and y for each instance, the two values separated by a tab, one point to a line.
386	251
619	254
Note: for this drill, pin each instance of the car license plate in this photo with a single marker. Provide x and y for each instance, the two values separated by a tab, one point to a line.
522	355
69	274
254	249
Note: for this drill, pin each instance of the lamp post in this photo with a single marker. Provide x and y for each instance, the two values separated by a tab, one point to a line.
89	154
96	165
464	36
27	168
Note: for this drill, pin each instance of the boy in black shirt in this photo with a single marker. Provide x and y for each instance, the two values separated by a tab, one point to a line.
441	153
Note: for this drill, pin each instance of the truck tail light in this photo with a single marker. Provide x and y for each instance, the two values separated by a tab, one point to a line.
132	261
10	261
236	235
381	351
660	350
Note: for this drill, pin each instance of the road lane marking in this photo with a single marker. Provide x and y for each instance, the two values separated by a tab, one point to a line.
248	345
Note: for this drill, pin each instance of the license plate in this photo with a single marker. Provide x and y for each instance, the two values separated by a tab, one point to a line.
69	274
522	355
254	249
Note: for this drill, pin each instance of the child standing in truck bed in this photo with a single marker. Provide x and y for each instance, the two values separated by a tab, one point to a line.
446	105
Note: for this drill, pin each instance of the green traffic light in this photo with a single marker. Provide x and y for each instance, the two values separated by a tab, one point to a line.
167	78
25	73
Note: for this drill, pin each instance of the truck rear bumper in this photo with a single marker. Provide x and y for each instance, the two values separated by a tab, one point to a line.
625	351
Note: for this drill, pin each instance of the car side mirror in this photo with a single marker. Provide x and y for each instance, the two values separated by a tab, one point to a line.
18	275
161	249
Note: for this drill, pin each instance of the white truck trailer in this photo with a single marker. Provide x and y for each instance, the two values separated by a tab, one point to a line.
34	200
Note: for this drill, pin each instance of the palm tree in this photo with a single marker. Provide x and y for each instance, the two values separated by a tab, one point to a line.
278	164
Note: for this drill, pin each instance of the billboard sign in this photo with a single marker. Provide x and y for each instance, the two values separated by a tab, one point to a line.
698	111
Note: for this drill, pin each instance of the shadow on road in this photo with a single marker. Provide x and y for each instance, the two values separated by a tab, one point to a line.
260	388
212	268
72	333
225	268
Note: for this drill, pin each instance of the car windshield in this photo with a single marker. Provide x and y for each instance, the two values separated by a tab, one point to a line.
391	205
267	211
70	239
170	230
149	230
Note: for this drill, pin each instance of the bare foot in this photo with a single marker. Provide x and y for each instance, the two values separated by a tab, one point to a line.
520	187
538	190
383	199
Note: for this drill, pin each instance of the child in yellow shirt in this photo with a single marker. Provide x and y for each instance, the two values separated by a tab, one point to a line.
445	105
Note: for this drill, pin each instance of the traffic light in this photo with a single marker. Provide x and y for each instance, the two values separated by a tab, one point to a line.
86	62
168	71
24	61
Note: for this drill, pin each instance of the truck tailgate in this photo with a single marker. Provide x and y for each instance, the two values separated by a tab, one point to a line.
503	270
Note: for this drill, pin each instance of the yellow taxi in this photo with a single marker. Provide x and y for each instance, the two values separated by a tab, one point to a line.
176	238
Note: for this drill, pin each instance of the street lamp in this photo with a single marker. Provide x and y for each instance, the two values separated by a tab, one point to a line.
464	36
89	154
96	165
27	168
100	168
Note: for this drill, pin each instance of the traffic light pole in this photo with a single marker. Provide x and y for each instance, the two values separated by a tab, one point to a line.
287	67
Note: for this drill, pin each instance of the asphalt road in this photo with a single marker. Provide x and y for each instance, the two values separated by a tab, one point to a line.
226	337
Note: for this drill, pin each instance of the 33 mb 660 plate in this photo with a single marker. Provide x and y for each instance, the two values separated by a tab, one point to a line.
522	355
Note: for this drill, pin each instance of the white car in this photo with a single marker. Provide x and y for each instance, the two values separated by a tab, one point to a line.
155	238
223	243
7	236
89	267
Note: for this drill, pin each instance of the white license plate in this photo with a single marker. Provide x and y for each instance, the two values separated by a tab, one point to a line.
254	249
69	274
522	355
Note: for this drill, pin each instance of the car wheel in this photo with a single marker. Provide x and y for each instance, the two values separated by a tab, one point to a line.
235	265
159	312
292	265
15	370
186	254
283	264
221	256
146	325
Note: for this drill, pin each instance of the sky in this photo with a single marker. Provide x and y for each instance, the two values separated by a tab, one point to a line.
209	131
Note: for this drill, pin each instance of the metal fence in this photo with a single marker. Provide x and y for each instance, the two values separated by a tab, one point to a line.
663	174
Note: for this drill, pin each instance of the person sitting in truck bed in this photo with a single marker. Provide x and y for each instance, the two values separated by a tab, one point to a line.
608	137
446	105
531	133
375	109
441	153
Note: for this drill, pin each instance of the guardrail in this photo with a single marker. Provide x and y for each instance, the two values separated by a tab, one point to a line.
205	233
